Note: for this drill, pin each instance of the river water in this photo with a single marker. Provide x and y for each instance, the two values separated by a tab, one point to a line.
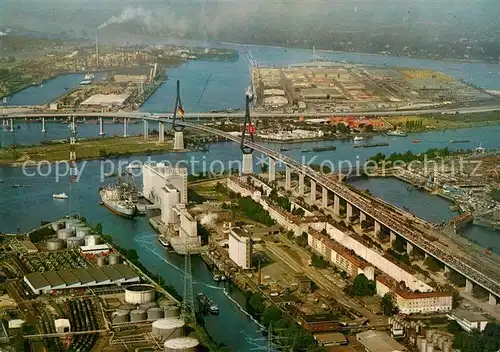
225	83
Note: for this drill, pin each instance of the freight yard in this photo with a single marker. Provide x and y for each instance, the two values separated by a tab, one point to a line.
333	87
68	289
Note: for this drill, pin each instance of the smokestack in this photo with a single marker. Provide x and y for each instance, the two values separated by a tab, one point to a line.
97	45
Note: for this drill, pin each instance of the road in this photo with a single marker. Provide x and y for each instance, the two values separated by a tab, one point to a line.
23	112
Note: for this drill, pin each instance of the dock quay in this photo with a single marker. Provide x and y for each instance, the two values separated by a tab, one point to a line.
210	264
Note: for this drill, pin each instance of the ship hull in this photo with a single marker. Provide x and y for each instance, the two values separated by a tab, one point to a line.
127	212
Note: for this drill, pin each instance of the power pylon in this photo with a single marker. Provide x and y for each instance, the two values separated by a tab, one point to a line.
188	300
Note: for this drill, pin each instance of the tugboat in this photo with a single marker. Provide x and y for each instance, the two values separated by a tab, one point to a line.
206	304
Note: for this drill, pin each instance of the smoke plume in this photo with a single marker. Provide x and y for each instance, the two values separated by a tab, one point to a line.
208	219
129	14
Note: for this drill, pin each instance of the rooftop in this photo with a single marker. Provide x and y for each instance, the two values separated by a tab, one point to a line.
467	315
379	341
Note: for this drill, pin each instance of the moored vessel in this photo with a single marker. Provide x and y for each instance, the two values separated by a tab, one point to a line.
60	196
397	133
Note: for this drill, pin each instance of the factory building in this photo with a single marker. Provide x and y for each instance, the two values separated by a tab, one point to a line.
45	282
469	320
240	248
158	175
379	341
170	197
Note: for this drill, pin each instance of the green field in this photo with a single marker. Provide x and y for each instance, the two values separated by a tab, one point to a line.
92	149
442	122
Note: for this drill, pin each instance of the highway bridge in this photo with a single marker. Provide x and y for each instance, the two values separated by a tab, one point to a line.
15	113
471	267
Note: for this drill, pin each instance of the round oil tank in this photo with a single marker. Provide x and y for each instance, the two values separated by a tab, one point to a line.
114	258
74	242
168	328
64	234
55	244
428	335
92	240
126	307
171	312
146	306
155	313
57	225
435	338
101	261
181	344
138	315
82	231
423	345
430	348
140	294
440	342
73	223
120	317
418	341
447	347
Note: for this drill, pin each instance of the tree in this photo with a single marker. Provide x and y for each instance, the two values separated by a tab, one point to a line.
256	304
454	327
362	286
264	168
387	305
98	228
270	316
433	264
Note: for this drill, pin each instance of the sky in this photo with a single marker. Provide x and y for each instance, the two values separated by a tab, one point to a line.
208	19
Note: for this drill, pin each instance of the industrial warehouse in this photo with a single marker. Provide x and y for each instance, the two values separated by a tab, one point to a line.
45	282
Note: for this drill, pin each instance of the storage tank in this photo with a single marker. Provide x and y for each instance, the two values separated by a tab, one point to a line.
447	347
440	342
423	345
126	306
155	313
140	294
92	240
101	261
82	231
428	335
181	344
168	328
55	244
146	306
73	223
121	316
138	315
435	338
171	312
114	258
430	348
74	242
418	341
64	234
57	225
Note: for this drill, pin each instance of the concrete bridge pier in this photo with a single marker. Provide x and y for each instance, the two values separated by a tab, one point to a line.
247	165
145	129
101	126
348	210
313	192
125	127
469	286
11	123
43	125
362	216
409	248
179	140
272	170
288	178
161	132
324	197
492	300
376	228
336	204
301	184
393	236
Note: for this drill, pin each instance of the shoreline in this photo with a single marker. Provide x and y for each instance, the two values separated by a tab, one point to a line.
359	53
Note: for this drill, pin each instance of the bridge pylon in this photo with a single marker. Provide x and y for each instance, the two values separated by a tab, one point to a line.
248	127
178	115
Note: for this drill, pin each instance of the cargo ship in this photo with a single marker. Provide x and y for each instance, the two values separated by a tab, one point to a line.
460	141
319	149
121	198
